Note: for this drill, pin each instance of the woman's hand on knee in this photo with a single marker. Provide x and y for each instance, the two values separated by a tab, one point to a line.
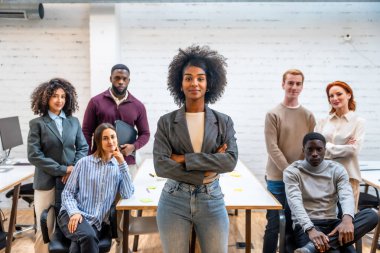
73	222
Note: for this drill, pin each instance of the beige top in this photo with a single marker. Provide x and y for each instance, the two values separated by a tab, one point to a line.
284	131
196	127
337	131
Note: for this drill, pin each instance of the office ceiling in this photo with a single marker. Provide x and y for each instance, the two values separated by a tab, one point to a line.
166	1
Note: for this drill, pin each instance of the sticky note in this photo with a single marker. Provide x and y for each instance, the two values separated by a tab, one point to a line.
152	187
235	174
238	189
146	200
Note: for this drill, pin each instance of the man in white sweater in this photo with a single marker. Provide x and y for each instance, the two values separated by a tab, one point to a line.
313	187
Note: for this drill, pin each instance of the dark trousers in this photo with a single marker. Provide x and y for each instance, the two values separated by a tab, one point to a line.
365	221
85	238
272	228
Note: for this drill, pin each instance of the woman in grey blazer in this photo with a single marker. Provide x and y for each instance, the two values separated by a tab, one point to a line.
192	147
55	144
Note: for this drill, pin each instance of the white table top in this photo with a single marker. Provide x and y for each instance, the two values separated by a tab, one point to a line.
15	176
369	165
371	177
241	190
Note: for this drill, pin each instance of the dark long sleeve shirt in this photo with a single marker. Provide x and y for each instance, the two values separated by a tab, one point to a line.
103	109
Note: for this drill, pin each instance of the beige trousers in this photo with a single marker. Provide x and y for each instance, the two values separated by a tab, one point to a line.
42	200
355	184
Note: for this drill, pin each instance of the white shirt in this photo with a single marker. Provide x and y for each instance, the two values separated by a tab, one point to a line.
337	131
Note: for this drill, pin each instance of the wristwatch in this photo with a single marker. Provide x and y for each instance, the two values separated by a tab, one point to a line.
308	229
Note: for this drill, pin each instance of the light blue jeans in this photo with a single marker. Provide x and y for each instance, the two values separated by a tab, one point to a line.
182	205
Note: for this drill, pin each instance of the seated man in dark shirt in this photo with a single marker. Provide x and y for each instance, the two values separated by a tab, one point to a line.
313	187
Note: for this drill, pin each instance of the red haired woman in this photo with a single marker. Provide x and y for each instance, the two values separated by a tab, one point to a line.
344	131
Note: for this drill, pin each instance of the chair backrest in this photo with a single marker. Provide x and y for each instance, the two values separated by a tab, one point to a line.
60	243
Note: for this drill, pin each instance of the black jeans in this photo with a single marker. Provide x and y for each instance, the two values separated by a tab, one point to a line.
84	239
365	221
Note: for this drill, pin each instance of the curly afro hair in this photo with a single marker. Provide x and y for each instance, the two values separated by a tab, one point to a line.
203	57
42	94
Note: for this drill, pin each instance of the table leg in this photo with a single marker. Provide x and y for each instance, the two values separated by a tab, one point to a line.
126	231
282	230
375	236
136	237
12	220
247	231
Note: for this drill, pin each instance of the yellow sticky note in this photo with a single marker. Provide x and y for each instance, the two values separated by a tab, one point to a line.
235	174
146	200
238	189
152	187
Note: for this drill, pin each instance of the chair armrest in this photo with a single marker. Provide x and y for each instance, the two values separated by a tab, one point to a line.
113	221
44	227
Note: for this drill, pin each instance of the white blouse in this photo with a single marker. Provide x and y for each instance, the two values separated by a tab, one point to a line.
337	131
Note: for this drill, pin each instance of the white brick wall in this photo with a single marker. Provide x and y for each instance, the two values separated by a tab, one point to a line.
260	40
32	52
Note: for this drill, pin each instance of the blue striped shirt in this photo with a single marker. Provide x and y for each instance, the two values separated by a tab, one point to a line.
92	187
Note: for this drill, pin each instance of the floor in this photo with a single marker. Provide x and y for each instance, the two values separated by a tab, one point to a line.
151	243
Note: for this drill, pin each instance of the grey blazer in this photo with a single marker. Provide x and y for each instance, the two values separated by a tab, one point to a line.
50	153
172	137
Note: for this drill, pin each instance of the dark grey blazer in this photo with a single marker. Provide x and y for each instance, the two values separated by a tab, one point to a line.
172	137
50	153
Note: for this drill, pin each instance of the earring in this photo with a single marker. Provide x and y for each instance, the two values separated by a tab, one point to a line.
207	90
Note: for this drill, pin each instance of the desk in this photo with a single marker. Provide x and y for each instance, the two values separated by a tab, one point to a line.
241	191
369	165
372	178
9	179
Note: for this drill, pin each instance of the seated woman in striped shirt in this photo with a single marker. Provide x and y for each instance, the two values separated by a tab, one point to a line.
91	189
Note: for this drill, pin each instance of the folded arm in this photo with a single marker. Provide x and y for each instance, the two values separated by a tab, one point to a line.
167	167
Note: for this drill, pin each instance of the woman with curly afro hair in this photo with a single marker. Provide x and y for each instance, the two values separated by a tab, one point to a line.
193	146
55	144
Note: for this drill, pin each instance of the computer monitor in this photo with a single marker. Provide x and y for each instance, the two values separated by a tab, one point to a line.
10	133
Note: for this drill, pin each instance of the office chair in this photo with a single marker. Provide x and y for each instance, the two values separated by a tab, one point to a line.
59	243
27	194
140	225
367	200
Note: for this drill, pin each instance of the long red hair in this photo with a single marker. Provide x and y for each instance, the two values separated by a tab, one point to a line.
348	89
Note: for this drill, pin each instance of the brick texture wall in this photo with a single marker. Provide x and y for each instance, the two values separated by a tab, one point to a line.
260	40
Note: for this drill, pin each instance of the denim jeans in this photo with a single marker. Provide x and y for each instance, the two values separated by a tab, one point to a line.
182	206
277	188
